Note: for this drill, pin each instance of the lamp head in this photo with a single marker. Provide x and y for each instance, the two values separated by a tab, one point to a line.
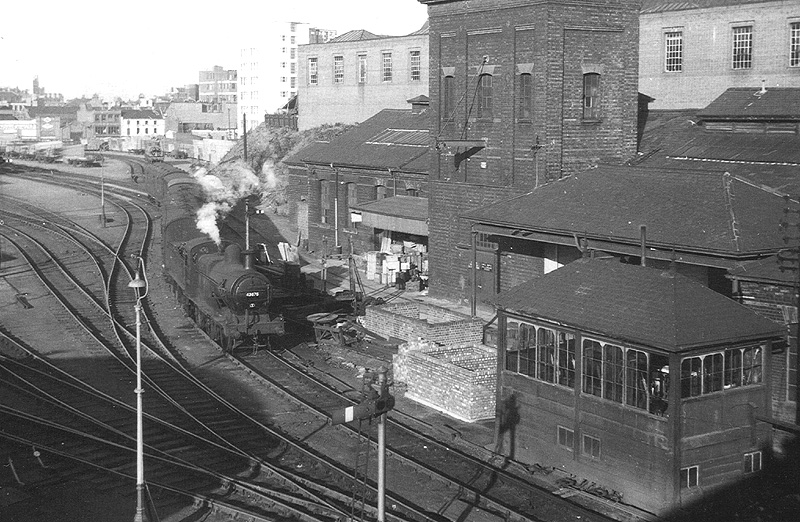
137	282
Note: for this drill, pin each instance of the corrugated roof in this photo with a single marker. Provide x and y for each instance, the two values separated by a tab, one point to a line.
639	305
753	103
392	139
695	211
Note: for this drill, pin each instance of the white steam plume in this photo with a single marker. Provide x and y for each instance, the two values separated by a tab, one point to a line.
223	186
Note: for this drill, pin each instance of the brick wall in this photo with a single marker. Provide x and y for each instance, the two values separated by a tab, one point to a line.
411	321
459	380
557	42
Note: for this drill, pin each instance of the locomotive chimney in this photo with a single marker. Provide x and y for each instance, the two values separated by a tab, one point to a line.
248	259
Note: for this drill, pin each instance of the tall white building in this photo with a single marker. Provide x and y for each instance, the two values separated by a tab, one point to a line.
268	68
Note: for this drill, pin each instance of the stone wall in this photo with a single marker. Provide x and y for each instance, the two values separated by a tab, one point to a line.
459	380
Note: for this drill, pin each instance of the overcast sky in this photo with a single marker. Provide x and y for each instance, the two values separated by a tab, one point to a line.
79	47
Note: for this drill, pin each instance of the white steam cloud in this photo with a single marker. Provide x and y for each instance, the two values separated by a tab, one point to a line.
224	185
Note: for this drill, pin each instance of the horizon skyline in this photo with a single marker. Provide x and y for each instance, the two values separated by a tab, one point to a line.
118	71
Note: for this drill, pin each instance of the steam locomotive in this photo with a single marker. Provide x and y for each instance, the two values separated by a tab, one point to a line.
216	283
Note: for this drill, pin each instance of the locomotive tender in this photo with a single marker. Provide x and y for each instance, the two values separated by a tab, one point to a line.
216	284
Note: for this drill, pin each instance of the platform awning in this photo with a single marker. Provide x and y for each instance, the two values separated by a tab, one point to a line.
405	214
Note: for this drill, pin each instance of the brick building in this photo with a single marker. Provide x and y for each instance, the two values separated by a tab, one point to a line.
690	52
367	185
663	407
353	76
522	95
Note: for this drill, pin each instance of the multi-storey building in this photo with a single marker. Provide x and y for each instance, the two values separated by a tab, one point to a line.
353	76
218	85
690	52
268	70
521	95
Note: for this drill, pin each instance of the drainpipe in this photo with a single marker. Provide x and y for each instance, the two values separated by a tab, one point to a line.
643	234
336	209
474	304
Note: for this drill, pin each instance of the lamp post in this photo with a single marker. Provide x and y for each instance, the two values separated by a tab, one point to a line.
136	284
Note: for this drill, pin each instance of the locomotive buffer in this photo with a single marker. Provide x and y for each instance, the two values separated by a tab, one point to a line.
374	405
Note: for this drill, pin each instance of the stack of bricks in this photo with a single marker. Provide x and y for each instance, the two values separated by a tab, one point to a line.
459	380
411	321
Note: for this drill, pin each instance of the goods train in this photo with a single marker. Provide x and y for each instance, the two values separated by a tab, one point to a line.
216	284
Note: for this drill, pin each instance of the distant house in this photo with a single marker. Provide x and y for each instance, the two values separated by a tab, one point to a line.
638	380
139	126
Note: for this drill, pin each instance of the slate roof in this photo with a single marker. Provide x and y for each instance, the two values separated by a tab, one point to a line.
408	207
705	212
141	114
45	110
661	6
748	104
639	305
355	36
395	139
766	270
7	117
678	140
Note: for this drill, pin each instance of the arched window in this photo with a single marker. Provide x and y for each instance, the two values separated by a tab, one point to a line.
484	96
526	96
591	96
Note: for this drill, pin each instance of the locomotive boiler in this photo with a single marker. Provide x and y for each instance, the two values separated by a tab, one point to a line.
215	282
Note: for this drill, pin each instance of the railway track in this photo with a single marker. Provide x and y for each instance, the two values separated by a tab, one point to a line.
292	444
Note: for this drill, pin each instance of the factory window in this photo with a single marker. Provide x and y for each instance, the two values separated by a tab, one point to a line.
794	44
690	477
526	96
293	82
673	51
292	53
352	197
566	438
387	66
312	71
591	96
448	101
752	462
543	353
416	69
292	39
591	447
325	194
338	69
293	68
484	96
362	68
743	47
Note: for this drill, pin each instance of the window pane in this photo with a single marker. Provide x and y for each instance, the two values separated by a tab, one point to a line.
613	372
387	67
546	340
592	367
566	359
525	96
751	365
742	47
712	373
485	96
636	385
733	368
448	103
416	71
690	377
591	95
674	51
527	351
512	346
794	44
338	69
